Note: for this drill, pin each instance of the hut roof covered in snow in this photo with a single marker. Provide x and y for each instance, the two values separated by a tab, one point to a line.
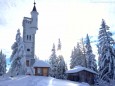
80	68
40	63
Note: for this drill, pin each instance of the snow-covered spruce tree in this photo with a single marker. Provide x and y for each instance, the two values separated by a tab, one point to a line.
62	67
2	64
17	58
77	57
59	45
106	53
72	60
83	49
90	57
53	61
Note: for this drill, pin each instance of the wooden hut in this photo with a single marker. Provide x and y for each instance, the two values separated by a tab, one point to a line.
81	74
41	68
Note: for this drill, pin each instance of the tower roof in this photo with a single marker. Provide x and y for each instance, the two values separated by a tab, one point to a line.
34	8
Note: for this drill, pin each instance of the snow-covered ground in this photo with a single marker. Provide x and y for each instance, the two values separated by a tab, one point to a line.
37	81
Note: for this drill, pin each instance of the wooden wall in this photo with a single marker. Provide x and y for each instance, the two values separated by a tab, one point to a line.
82	76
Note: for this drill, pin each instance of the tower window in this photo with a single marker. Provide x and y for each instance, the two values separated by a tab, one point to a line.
30	37
28	49
27	62
27	37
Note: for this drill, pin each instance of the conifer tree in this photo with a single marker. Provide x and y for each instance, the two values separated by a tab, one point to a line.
72	60
53	61
90	57
59	45
17	58
77	57
2	63
106	53
83	49
62	67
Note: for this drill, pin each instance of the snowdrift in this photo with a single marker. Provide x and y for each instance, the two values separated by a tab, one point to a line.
37	81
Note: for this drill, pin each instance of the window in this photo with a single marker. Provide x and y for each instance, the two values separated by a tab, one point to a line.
30	37
40	71
28	50
27	62
27	37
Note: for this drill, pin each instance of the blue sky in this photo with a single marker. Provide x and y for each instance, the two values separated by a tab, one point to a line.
69	20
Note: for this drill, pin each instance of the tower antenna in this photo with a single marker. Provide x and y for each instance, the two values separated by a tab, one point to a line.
34	2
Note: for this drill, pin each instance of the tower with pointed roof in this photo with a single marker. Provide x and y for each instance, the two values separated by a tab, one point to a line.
30	25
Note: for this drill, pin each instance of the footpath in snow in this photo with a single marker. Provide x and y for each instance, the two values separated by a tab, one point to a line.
37	81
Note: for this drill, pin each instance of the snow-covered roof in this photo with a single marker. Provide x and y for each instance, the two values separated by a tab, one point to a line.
40	63
80	68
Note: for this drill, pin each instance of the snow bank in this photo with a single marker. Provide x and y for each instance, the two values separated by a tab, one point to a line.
2	78
38	81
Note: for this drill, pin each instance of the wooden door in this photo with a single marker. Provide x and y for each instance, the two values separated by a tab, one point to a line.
45	71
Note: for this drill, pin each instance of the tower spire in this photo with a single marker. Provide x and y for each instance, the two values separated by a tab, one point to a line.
34	8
